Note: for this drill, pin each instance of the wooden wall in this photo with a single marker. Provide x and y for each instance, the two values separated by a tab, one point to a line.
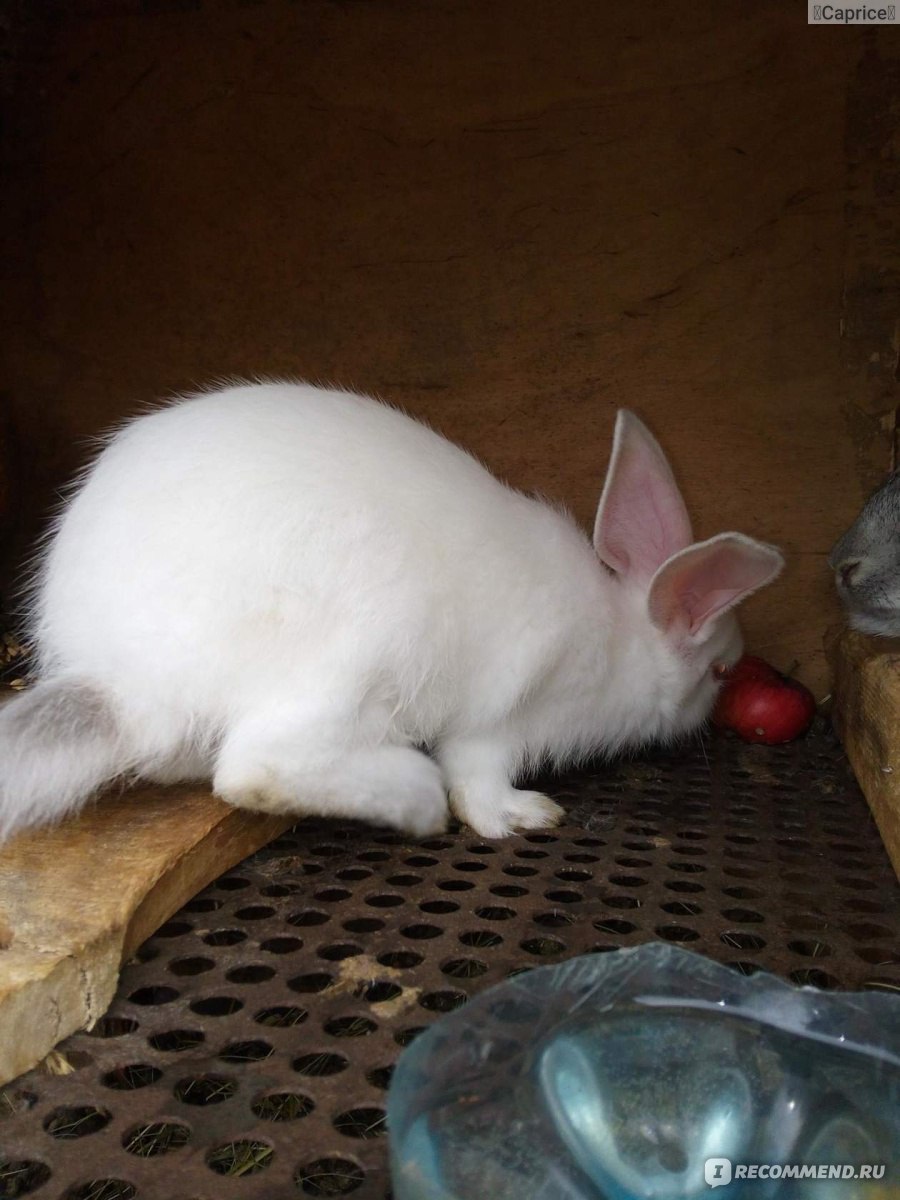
510	217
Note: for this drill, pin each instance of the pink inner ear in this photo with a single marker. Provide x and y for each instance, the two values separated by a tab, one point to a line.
642	520
708	579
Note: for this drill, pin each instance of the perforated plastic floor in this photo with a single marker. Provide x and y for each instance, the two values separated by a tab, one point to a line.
249	1049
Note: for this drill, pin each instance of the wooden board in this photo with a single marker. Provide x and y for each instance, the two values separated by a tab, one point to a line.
76	901
508	222
866	714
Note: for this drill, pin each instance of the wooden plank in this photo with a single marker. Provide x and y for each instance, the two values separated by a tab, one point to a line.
866	714
512	237
76	901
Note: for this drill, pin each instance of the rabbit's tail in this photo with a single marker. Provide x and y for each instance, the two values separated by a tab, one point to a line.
59	742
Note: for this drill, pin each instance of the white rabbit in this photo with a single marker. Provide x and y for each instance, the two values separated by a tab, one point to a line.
327	608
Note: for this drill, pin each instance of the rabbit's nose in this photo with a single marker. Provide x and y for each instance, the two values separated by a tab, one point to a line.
847	570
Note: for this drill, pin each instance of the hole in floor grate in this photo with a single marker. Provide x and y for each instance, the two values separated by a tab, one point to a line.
361	1123
174	1041
282	1015
132	1076
246	1052
76	1122
205	1089
320	1064
283	1106
240	1158
330	1177
113	1027
256	1032
102	1189
155	1138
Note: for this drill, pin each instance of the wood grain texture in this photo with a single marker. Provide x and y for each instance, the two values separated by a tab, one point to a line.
508	222
77	900
866	714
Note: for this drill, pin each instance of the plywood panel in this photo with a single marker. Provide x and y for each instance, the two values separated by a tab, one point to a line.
511	218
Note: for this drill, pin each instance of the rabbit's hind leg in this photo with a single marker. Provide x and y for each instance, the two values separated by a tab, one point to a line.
290	760
185	766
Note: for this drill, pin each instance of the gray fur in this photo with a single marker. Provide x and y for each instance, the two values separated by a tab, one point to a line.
58	743
866	563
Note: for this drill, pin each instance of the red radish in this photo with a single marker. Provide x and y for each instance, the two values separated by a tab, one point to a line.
761	705
751	667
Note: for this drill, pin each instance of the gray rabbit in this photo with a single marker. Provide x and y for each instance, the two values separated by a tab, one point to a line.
866	563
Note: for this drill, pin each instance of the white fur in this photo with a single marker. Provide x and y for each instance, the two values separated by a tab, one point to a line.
297	592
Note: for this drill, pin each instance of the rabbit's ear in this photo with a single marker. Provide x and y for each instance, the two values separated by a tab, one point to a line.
706	580
641	521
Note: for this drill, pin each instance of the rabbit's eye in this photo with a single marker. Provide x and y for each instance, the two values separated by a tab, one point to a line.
721	670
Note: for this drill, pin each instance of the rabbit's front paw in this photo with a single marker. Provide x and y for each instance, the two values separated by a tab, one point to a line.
495	816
